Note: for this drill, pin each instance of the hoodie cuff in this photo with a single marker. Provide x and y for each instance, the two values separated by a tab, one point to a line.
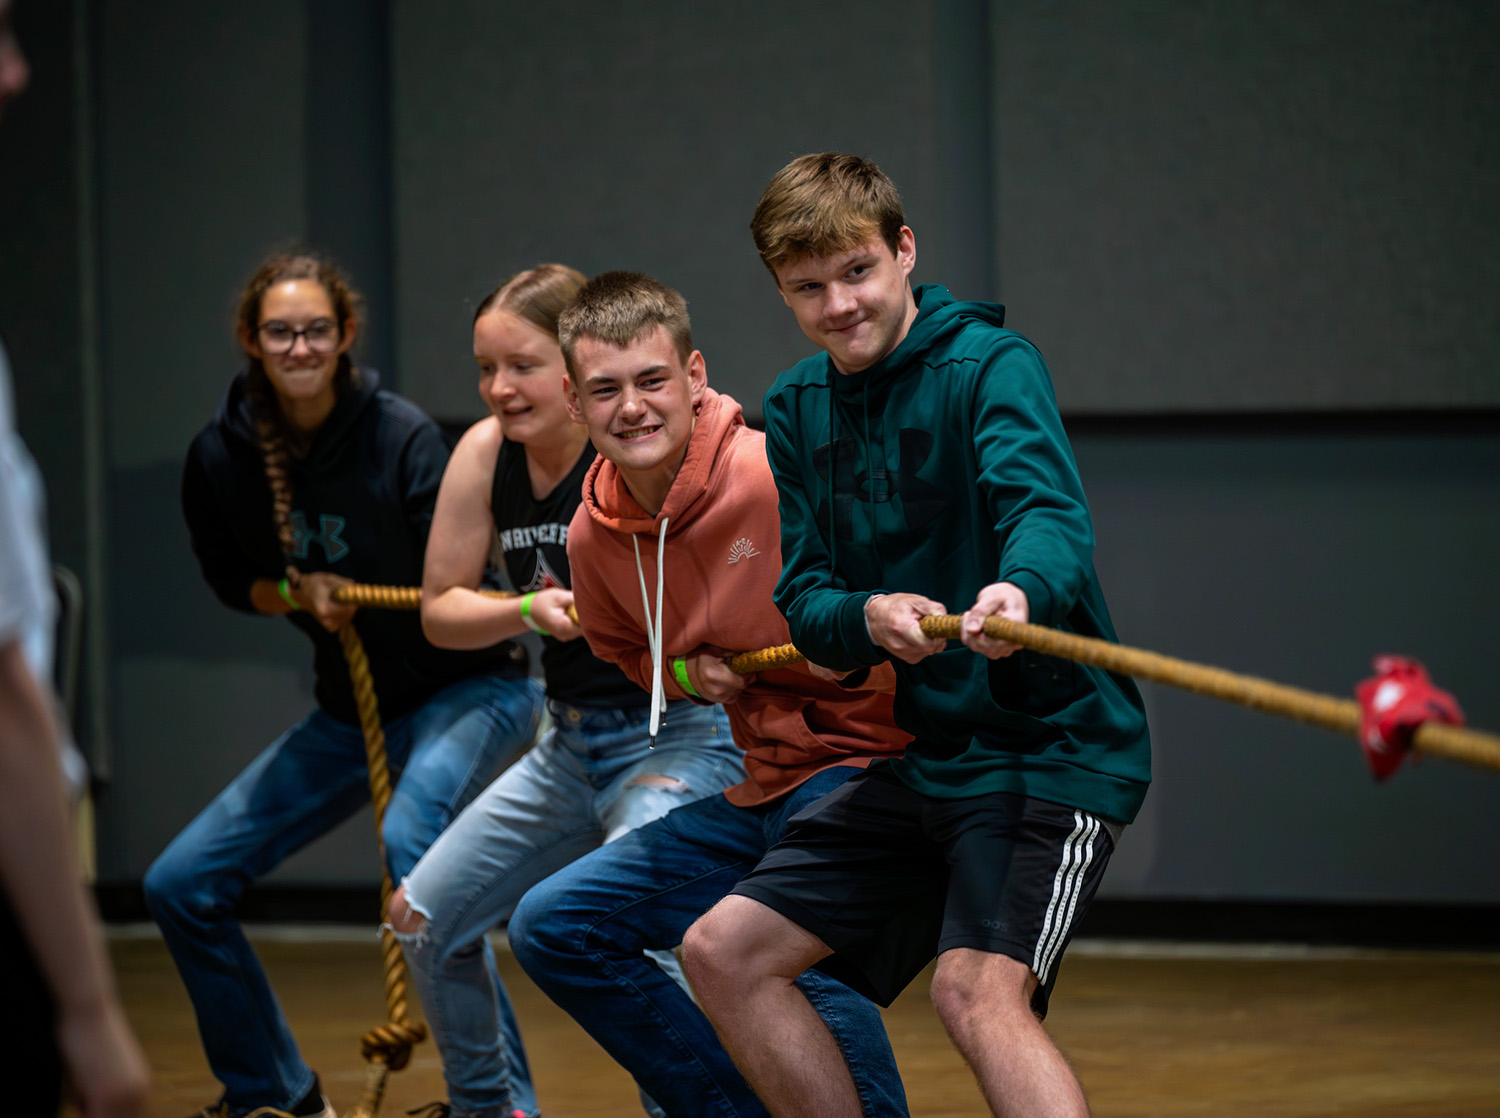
1038	596
856	633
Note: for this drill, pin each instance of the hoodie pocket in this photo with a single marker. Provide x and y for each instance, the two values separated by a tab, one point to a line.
781	724
1028	682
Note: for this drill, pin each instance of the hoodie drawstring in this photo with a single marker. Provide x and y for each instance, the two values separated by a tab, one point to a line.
653	632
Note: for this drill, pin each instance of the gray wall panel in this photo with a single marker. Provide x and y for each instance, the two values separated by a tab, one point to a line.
632	137
201	168
1298	558
1278	205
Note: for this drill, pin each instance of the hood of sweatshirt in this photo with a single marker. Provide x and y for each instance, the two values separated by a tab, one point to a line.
237	421
610	503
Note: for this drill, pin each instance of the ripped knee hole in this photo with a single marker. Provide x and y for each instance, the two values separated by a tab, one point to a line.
405	920
659	780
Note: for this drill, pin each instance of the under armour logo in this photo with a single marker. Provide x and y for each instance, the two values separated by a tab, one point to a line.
327	535
921	502
742	549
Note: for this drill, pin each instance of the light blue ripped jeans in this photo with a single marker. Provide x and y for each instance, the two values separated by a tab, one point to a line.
591	779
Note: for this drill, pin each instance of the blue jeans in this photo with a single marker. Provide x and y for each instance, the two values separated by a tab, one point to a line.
587	782
309	780
581	933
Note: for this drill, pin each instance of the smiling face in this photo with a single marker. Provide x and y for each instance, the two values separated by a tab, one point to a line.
302	378
855	304
639	402
521	375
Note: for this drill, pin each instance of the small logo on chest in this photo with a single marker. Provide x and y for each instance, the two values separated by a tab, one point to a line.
742	549
543	576
328	536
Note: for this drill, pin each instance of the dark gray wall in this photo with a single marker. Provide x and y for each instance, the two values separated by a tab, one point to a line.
1276	205
1188	213
1297	557
630	136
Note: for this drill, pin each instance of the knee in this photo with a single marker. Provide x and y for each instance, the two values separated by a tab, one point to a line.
173	884
529	933
709	955
412	927
970	986
405	921
539	928
953	999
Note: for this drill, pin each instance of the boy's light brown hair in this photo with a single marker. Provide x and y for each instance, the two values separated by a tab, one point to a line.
822	205
619	307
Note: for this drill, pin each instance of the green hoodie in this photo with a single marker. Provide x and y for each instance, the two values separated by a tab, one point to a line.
945	468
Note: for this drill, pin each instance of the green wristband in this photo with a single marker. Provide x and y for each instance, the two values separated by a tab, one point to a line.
526	616
679	669
285	591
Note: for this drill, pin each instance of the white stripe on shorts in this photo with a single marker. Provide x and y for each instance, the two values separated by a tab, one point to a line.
1078	853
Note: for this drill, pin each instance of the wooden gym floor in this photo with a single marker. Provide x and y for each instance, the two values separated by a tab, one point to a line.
1152	1032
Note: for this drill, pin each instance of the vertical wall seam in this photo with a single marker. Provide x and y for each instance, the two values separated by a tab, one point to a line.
96	611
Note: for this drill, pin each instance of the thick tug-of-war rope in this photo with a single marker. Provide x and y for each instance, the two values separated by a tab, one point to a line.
386	1048
1332	713
1340	715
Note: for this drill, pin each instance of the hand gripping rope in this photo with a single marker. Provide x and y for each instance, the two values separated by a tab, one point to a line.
1398	711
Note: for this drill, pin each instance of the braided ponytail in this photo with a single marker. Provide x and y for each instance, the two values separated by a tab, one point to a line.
277	457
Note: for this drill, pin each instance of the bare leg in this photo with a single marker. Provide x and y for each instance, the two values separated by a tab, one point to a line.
742	959
984	1001
403	918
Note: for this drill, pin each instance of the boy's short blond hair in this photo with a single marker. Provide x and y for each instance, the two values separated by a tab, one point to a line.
822	205
618	308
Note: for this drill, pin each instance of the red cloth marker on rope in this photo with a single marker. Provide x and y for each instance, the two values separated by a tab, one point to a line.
1393	703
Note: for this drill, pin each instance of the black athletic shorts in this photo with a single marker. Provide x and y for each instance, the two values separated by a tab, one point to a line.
889	878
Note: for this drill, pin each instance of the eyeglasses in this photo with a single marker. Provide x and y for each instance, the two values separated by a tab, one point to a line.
321	335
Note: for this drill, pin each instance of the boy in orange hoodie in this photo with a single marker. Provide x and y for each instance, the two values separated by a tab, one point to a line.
675	551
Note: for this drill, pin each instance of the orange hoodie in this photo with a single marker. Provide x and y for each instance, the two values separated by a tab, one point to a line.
721	560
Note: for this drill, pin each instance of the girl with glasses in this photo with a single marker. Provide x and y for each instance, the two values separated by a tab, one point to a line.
312	476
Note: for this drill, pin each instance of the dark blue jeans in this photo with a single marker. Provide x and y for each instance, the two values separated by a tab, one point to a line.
582	935
303	785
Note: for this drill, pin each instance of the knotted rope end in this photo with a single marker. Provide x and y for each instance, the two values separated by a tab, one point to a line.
1394	702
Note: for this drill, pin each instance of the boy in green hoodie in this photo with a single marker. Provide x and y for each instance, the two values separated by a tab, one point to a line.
920	462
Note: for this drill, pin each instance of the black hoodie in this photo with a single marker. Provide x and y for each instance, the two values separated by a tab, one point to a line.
362	502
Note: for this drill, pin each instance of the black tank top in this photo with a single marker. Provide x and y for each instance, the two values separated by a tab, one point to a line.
533	538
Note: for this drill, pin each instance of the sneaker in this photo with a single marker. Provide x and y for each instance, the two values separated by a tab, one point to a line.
314	1104
444	1110
222	1109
